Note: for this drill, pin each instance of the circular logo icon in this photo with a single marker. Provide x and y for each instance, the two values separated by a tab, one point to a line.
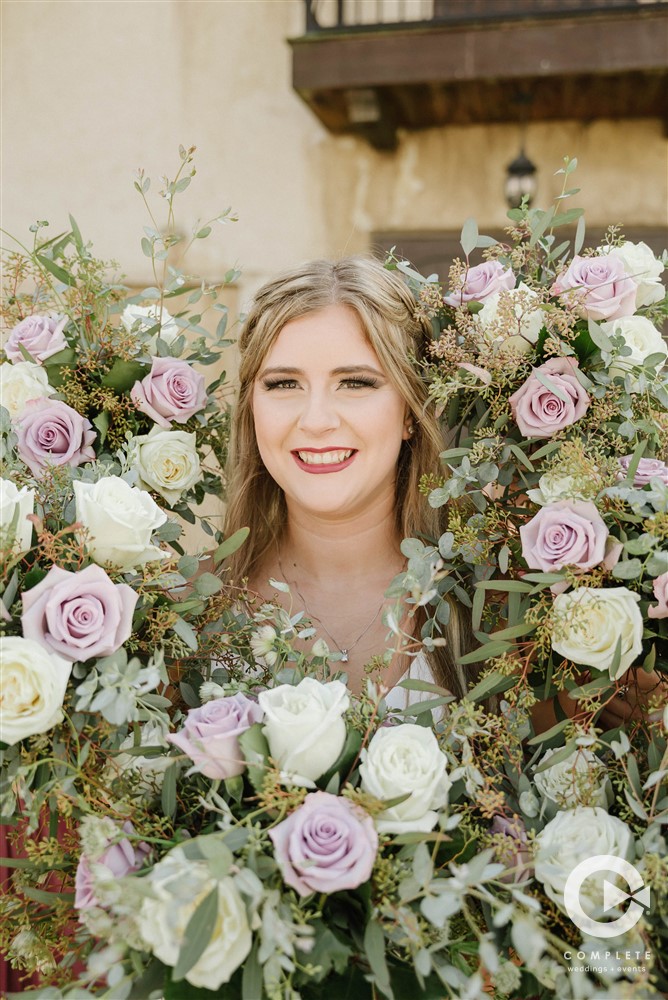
612	896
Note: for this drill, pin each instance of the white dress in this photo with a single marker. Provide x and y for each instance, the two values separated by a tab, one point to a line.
419	670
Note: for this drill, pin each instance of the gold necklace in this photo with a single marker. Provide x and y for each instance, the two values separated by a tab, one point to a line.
343	650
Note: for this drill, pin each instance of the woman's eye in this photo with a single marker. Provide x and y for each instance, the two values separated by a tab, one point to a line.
280	383
359	383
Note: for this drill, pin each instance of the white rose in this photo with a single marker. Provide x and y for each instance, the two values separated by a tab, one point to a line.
167	462
577	780
403	759
304	726
523	333
641	265
553	486
22	382
33	688
120	520
179	885
576	835
147	317
15	507
590	621
641	336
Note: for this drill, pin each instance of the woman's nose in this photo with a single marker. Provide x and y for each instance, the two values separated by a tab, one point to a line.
318	414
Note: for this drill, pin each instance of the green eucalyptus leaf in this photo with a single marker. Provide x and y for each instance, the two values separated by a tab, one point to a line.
197	936
230	545
58	272
469	236
495	683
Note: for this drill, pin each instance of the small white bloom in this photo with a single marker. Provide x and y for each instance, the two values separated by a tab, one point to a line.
590	621
209	691
304	725
33	688
21	382
575	835
402	760
643	267
120	520
320	649
179	885
643	339
528	939
529	319
15	508
147	317
529	804
167	462
554	486
262	643
577	780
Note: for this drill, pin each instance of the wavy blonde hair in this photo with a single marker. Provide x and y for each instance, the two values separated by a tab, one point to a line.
386	309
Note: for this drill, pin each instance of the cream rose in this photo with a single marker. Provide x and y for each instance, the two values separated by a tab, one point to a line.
33	688
591	621
576	835
406	759
167	462
15	507
641	337
577	780
20	383
512	319
554	486
643	267
120	520
304	726
178	887
147	317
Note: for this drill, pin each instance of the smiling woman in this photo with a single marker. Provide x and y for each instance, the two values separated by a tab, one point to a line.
332	436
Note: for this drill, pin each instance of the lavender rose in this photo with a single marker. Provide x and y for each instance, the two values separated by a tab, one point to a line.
115	861
660	586
41	336
480	282
600	286
327	845
566	533
210	736
538	411
648	469
78	615
171	391
52	433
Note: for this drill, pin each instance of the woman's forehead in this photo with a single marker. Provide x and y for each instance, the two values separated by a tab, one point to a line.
333	335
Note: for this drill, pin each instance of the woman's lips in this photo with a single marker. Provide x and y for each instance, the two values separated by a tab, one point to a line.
321	460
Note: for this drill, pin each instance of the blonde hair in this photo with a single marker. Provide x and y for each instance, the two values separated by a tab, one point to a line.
386	309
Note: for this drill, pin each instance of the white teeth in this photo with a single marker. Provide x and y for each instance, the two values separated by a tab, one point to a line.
324	457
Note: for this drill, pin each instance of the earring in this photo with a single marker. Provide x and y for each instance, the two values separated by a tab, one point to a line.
410	429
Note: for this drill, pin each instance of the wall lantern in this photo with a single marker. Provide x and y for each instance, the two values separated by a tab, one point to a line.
520	180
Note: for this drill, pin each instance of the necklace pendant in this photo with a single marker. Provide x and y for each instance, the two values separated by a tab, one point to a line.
344	656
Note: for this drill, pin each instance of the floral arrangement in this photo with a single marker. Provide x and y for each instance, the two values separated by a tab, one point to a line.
111	438
218	816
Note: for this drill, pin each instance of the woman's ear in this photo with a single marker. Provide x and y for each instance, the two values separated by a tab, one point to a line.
409	427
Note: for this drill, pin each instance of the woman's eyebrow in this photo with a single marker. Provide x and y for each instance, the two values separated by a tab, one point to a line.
343	370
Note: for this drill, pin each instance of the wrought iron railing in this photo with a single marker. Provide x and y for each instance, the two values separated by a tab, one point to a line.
337	15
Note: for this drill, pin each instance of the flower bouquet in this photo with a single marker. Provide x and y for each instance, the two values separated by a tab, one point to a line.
110	438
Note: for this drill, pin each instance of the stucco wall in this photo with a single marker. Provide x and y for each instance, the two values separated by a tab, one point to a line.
94	89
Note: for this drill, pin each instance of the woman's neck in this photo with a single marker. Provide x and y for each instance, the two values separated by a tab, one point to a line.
352	551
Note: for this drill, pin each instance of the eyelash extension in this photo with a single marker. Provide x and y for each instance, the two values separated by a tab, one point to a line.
350	383
279	383
368	383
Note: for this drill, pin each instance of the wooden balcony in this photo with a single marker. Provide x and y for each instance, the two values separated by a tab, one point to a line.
481	61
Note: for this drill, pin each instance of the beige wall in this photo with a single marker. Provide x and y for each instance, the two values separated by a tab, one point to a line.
94	89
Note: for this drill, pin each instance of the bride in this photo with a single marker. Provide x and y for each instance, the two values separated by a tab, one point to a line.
332	436
331	439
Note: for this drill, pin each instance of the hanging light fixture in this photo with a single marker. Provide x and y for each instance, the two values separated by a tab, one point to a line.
520	180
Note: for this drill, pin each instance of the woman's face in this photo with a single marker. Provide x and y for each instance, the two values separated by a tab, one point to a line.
328	421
